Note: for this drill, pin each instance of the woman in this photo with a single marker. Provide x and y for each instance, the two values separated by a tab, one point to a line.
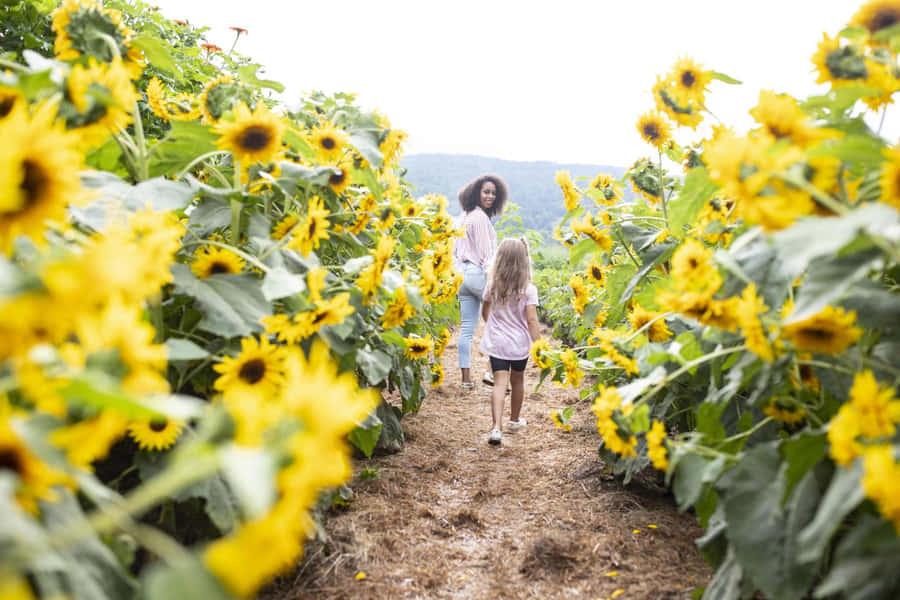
483	198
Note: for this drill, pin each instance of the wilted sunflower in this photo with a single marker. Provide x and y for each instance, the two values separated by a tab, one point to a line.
686	115
216	98
838	64
259	369
417	347
212	260
654	129
830	331
251	137
38	173
329	141
156	434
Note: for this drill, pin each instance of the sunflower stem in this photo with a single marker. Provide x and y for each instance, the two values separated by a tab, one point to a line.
690	365
141	145
236	206
881	122
197	160
628	250
8	64
662	190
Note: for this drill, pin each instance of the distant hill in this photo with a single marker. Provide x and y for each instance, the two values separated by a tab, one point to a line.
531	184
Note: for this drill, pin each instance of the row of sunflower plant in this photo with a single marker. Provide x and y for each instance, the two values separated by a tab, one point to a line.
203	297
740	321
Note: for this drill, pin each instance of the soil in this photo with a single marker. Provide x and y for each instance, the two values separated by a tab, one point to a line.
451	516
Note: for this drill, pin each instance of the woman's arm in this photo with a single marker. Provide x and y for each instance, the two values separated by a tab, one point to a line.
485	309
532	319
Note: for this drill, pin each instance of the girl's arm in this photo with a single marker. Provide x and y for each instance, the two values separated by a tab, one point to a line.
532	319
486	309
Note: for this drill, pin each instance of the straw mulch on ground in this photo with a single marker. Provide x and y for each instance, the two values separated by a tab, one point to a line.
537	517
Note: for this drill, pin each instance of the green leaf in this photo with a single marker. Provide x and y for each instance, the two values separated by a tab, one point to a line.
185	141
232	305
374	364
865	150
801	454
640	419
656	256
708	423
696	192
158	53
813	237
187	578
365	435
98	390
844	494
182	349
218	502
366	143
725	78
828	279
865	563
616	280
292	172
247	74
580	250
279	283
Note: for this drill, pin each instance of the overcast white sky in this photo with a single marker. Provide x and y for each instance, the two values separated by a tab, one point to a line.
563	81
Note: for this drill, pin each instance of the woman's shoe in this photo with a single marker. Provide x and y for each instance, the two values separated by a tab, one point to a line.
495	437
488	378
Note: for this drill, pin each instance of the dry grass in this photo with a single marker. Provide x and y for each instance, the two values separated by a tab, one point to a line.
537	517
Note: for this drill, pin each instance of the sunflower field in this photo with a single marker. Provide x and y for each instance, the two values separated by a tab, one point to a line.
203	296
738	326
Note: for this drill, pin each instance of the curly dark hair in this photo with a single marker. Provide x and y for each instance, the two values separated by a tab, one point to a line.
470	195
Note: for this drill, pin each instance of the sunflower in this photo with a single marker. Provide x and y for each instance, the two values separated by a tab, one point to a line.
573	374
610	189
596	273
91	439
181	108
890	177
38	173
315	282
749	307
782	117
285	225
397	311
580	295
690	80
830	331
155	434
392	145
313	230
77	24
339	178
881	474
417	347
656	449
836	64
329	141
251	137
9	97
217	97
843	431
693	268
36	478
654	129
212	260
785	409
877	15
878	409
571	195
686	115
437	374
333	311
259	368
96	120
658	331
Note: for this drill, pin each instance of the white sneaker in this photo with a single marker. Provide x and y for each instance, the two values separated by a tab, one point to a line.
516	425
488	378
495	438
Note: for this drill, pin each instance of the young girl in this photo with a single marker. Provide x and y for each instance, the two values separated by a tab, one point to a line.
510	314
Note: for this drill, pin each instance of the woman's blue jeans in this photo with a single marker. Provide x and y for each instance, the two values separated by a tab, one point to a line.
470	293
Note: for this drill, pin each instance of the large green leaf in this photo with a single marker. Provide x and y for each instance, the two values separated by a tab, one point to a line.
158	52
279	283
185	141
182	349
844	494
218	502
829	278
654	257
694	194
232	305
859	149
366	143
185	579
865	563
374	364
365	435
813	237
762	531
247	74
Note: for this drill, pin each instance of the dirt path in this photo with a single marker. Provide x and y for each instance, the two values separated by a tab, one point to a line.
453	517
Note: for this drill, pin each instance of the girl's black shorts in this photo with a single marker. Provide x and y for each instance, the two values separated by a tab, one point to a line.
501	364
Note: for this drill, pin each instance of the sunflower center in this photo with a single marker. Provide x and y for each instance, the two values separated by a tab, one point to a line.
320	316
255	137
337	178
6	105
597	273
11	460
886	17
34	184
219	267
253	370
693	263
819	333
651	131
312	228
688	79
328	143
158	424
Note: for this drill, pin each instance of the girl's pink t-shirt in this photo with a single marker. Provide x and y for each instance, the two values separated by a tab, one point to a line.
506	331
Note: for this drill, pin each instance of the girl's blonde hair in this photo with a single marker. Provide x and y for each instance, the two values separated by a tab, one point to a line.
511	272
